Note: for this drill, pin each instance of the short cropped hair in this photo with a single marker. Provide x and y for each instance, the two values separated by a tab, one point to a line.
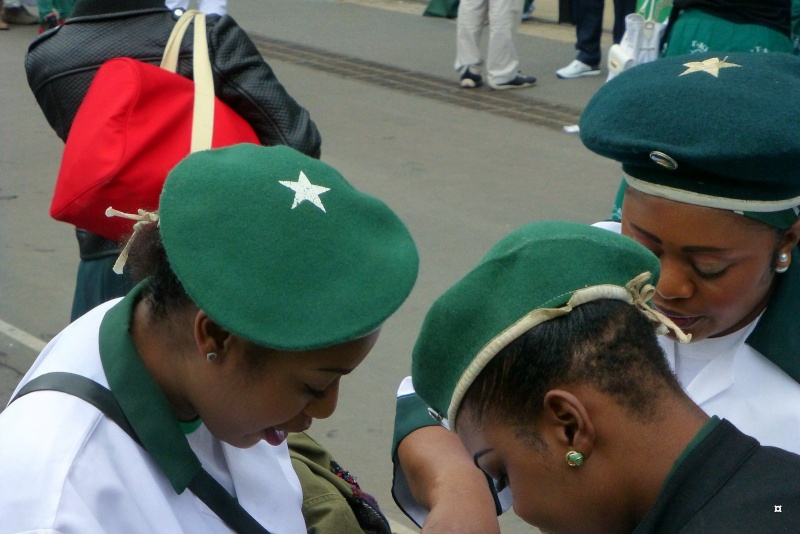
607	344
147	259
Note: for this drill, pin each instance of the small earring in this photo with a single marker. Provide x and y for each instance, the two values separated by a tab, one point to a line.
211	356
782	258
574	459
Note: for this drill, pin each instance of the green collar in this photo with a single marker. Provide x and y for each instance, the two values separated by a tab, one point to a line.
710	425
775	336
141	399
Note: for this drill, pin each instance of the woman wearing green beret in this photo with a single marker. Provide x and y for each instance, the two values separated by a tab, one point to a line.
561	392
168	410
710	159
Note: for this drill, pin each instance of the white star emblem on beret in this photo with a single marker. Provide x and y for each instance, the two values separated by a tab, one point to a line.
305	190
711	66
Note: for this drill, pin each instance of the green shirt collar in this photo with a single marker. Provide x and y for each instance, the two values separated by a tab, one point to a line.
141	399
775	336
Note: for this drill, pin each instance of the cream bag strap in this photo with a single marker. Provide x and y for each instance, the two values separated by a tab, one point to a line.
203	117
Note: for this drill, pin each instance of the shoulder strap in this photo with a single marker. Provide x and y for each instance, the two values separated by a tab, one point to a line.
203	485
203	113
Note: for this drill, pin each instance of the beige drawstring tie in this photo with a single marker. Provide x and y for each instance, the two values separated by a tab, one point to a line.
642	292
142	218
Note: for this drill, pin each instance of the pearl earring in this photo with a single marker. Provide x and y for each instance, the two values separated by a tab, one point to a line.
211	356
782	258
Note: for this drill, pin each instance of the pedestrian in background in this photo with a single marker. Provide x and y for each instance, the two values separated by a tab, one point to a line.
588	15
209	7
742	26
61	65
13	12
502	62
53	13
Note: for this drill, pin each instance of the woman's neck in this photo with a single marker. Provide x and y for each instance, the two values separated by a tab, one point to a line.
653	450
164	354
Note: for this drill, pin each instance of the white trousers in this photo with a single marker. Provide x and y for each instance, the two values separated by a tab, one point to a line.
209	7
502	62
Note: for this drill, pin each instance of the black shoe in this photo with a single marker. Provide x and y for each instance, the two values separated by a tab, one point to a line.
470	78
517	83
19	15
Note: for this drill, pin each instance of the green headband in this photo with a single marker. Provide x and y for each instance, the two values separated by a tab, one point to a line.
778	219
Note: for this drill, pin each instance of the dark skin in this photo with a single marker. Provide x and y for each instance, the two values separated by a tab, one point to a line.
626	459
717	267
453	486
741	253
247	393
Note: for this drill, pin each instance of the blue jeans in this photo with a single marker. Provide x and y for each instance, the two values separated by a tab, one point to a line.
589	26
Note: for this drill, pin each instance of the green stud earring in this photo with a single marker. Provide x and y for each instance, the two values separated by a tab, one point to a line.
574	459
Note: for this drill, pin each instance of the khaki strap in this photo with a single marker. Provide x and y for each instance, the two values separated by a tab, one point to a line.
203	115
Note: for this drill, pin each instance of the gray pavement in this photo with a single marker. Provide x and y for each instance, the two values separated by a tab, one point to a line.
460	176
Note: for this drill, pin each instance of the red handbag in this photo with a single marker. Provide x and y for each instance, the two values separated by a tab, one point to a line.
135	124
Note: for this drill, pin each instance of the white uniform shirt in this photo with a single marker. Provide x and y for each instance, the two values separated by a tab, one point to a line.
66	468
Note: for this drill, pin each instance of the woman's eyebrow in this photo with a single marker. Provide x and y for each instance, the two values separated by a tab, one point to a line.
693	249
689	249
641	230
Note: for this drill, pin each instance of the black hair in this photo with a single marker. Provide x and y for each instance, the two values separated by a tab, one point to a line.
164	293
148	259
607	344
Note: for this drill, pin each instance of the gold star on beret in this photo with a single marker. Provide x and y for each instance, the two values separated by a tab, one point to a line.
711	66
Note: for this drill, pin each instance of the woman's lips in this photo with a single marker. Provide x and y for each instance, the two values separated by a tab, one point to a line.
273	436
681	321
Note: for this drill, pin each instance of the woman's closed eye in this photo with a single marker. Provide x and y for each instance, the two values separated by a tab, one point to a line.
709	270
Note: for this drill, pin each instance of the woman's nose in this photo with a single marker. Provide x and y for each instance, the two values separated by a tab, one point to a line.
324	407
674	282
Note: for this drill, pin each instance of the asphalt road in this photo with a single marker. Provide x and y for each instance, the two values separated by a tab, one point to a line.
462	168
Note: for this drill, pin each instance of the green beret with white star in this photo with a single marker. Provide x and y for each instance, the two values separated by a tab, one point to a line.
537	273
281	250
707	129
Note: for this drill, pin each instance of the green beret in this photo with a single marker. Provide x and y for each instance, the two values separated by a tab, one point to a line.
534	274
705	129
278	248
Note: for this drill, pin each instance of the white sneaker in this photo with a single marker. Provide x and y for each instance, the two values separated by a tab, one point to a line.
576	69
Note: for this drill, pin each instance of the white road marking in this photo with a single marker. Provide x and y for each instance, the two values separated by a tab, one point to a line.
32	342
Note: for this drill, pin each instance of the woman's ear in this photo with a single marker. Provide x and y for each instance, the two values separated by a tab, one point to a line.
208	335
568	423
791	238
